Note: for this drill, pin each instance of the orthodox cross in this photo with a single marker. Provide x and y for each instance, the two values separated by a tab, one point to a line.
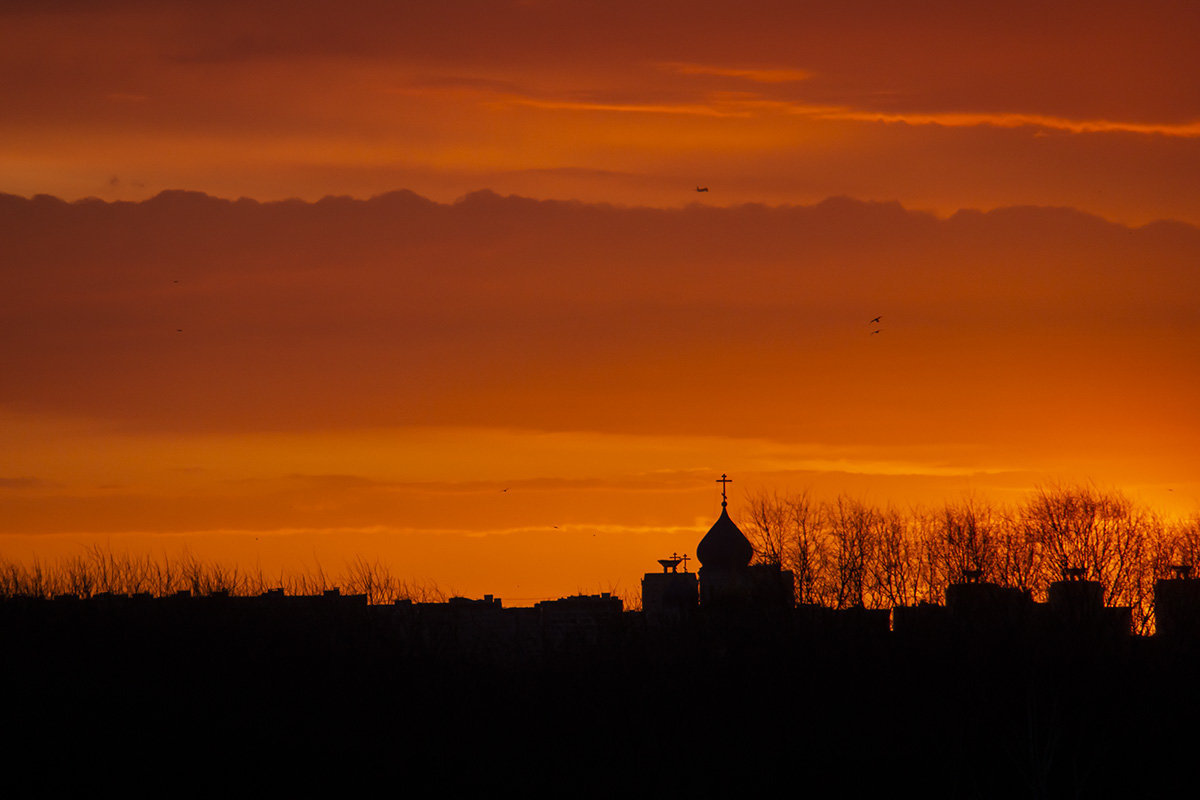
723	480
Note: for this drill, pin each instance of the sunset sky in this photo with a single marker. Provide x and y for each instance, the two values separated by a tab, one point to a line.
430	283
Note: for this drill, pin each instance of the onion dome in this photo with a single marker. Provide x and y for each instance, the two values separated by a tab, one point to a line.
724	546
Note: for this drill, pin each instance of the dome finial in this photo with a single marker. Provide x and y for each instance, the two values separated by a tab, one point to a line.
724	547
723	480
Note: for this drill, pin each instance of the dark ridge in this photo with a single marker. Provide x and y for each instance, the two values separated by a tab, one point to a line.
1050	217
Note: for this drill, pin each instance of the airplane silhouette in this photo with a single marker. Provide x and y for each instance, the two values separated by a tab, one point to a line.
701	188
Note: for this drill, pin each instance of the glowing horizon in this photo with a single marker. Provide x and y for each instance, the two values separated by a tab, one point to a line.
498	273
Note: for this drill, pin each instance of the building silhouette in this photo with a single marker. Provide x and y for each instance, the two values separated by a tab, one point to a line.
669	597
720	676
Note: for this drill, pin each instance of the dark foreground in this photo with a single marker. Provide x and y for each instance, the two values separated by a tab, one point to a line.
335	705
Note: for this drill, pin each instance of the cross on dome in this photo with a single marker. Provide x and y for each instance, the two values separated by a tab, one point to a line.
724	546
723	480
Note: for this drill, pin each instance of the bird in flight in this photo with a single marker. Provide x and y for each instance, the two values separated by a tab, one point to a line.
877	319
701	188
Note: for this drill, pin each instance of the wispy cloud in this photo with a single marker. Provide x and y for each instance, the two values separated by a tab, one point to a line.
755	74
692	109
869	466
953	119
746	105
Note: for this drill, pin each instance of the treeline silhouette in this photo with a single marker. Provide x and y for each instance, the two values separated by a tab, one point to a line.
844	552
322	694
100	571
847	553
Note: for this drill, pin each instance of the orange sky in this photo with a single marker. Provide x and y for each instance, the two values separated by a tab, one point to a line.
284	382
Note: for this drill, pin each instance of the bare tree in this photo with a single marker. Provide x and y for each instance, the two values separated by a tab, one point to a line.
768	527
1176	545
75	576
36	580
968	533
1063	520
896	575
1021	556
927	554
1103	533
372	579
787	531
851	526
806	551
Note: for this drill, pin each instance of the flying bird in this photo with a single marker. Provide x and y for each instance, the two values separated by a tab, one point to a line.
701	188
875	320
874	331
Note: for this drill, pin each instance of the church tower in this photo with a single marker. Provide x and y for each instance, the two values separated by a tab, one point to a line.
727	578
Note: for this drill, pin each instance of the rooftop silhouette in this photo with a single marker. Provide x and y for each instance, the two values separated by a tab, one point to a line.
581	682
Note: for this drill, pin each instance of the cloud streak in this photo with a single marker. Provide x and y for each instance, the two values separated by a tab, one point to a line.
634	108
1004	120
754	74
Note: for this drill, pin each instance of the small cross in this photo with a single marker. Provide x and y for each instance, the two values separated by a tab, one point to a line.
723	480
684	559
